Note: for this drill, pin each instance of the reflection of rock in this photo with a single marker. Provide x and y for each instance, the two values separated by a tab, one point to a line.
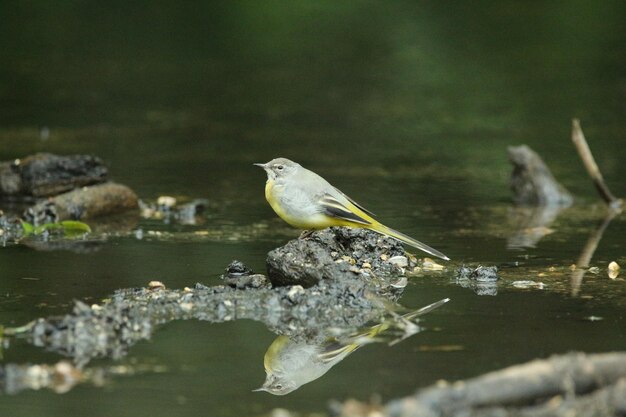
532	182
530	225
334	253
63	376
482	279
60	377
132	315
167	209
73	245
83	203
45	174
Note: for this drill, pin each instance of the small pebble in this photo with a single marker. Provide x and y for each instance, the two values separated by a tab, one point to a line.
401	283
366	265
156	285
186	306
166	201
295	292
614	269
399	261
430	265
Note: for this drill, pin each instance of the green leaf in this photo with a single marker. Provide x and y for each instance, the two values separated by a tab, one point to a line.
69	227
27	227
73	226
47	226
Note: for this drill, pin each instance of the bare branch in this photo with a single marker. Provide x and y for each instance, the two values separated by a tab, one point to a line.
590	165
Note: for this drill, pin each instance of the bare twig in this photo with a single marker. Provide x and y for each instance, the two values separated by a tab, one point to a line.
590	164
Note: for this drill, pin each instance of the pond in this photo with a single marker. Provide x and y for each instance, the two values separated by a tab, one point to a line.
407	107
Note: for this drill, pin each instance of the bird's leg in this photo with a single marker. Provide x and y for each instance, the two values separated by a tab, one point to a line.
305	234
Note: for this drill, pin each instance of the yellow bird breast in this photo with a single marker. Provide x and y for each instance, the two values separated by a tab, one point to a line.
299	214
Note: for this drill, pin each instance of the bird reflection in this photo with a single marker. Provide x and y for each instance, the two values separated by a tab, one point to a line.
289	364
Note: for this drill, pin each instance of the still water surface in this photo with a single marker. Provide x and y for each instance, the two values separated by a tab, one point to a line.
407	107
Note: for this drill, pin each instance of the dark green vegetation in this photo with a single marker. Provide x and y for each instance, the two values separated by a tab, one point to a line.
407	107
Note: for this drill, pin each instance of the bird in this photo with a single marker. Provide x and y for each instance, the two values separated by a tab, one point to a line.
289	364
307	201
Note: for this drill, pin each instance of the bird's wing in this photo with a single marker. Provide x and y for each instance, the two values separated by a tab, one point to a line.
335	208
334	350
354	202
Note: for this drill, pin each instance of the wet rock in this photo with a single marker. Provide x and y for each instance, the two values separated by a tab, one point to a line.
237	269
45	174
239	276
253	281
481	279
10	228
532	182
334	253
478	274
83	203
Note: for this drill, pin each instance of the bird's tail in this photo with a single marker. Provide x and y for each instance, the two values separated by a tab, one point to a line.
408	240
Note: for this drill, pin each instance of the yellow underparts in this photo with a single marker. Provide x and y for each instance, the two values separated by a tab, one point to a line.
318	221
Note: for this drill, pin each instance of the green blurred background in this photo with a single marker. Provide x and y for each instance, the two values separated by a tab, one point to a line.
407	106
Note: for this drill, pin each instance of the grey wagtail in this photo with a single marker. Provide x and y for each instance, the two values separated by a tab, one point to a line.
290	364
307	201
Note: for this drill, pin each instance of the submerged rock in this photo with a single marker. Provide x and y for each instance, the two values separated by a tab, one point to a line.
45	174
336	253
532	182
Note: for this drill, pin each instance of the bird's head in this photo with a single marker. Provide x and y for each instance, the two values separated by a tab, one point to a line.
279	168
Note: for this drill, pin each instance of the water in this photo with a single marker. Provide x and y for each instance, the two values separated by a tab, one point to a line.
408	108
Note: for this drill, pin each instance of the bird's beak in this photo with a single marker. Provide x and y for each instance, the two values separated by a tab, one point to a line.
262	388
260	165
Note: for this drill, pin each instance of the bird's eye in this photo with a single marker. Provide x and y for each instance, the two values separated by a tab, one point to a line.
279	386
280	167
